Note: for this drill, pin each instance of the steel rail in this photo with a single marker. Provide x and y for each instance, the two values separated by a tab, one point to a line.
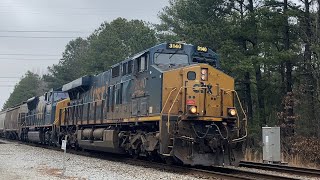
248	174
282	168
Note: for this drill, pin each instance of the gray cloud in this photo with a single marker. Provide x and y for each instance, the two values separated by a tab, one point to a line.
57	15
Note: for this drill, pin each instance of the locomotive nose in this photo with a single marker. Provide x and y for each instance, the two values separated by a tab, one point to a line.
201	99
207	93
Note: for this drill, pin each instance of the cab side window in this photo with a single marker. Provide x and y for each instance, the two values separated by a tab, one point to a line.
117	94
115	71
141	63
130	64
124	68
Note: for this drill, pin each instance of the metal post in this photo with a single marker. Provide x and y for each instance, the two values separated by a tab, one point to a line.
64	147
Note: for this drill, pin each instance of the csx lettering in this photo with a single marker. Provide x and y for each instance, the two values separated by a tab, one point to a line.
196	88
202	88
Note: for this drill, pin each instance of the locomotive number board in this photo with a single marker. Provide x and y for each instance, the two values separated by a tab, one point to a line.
202	49
174	46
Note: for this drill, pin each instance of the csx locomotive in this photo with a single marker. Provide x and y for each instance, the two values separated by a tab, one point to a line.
170	101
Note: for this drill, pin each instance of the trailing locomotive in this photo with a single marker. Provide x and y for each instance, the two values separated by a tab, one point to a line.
170	101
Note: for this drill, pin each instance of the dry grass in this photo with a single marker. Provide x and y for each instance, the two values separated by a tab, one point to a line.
292	160
253	155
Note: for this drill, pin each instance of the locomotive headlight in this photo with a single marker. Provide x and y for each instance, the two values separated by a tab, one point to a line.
193	109
203	77
204	74
204	71
232	112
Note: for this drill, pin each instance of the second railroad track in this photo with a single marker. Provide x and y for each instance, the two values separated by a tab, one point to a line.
282	168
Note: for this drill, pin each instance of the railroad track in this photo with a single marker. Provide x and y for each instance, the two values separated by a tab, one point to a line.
206	172
209	172
232	173
282	168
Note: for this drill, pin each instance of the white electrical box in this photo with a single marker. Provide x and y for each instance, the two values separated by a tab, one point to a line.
271	144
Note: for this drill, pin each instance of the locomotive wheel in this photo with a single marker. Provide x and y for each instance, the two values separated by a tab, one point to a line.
135	154
151	157
169	160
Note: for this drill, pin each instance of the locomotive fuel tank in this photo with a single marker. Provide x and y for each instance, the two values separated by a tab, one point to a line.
98	133
35	136
87	134
90	134
100	139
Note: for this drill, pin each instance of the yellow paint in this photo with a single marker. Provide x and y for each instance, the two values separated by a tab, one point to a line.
210	119
138	119
209	105
61	105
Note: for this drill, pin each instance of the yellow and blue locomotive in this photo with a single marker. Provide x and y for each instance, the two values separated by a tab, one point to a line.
170	101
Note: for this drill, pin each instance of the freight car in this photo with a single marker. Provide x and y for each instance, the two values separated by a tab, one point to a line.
11	120
170	101
2	118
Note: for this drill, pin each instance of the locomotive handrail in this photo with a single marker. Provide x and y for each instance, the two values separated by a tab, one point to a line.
165	104
245	119
54	122
174	101
168	121
41	114
35	116
23	120
245	115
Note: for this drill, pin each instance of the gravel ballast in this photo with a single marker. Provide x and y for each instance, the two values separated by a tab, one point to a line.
24	162
19	161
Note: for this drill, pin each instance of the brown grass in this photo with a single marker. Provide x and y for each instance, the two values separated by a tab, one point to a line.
292	160
253	155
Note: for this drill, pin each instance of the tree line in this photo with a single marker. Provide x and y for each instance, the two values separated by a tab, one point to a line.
271	48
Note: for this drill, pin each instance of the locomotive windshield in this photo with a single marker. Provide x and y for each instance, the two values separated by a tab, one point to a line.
160	58
59	96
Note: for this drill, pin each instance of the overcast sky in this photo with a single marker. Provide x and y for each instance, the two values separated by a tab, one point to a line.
21	49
